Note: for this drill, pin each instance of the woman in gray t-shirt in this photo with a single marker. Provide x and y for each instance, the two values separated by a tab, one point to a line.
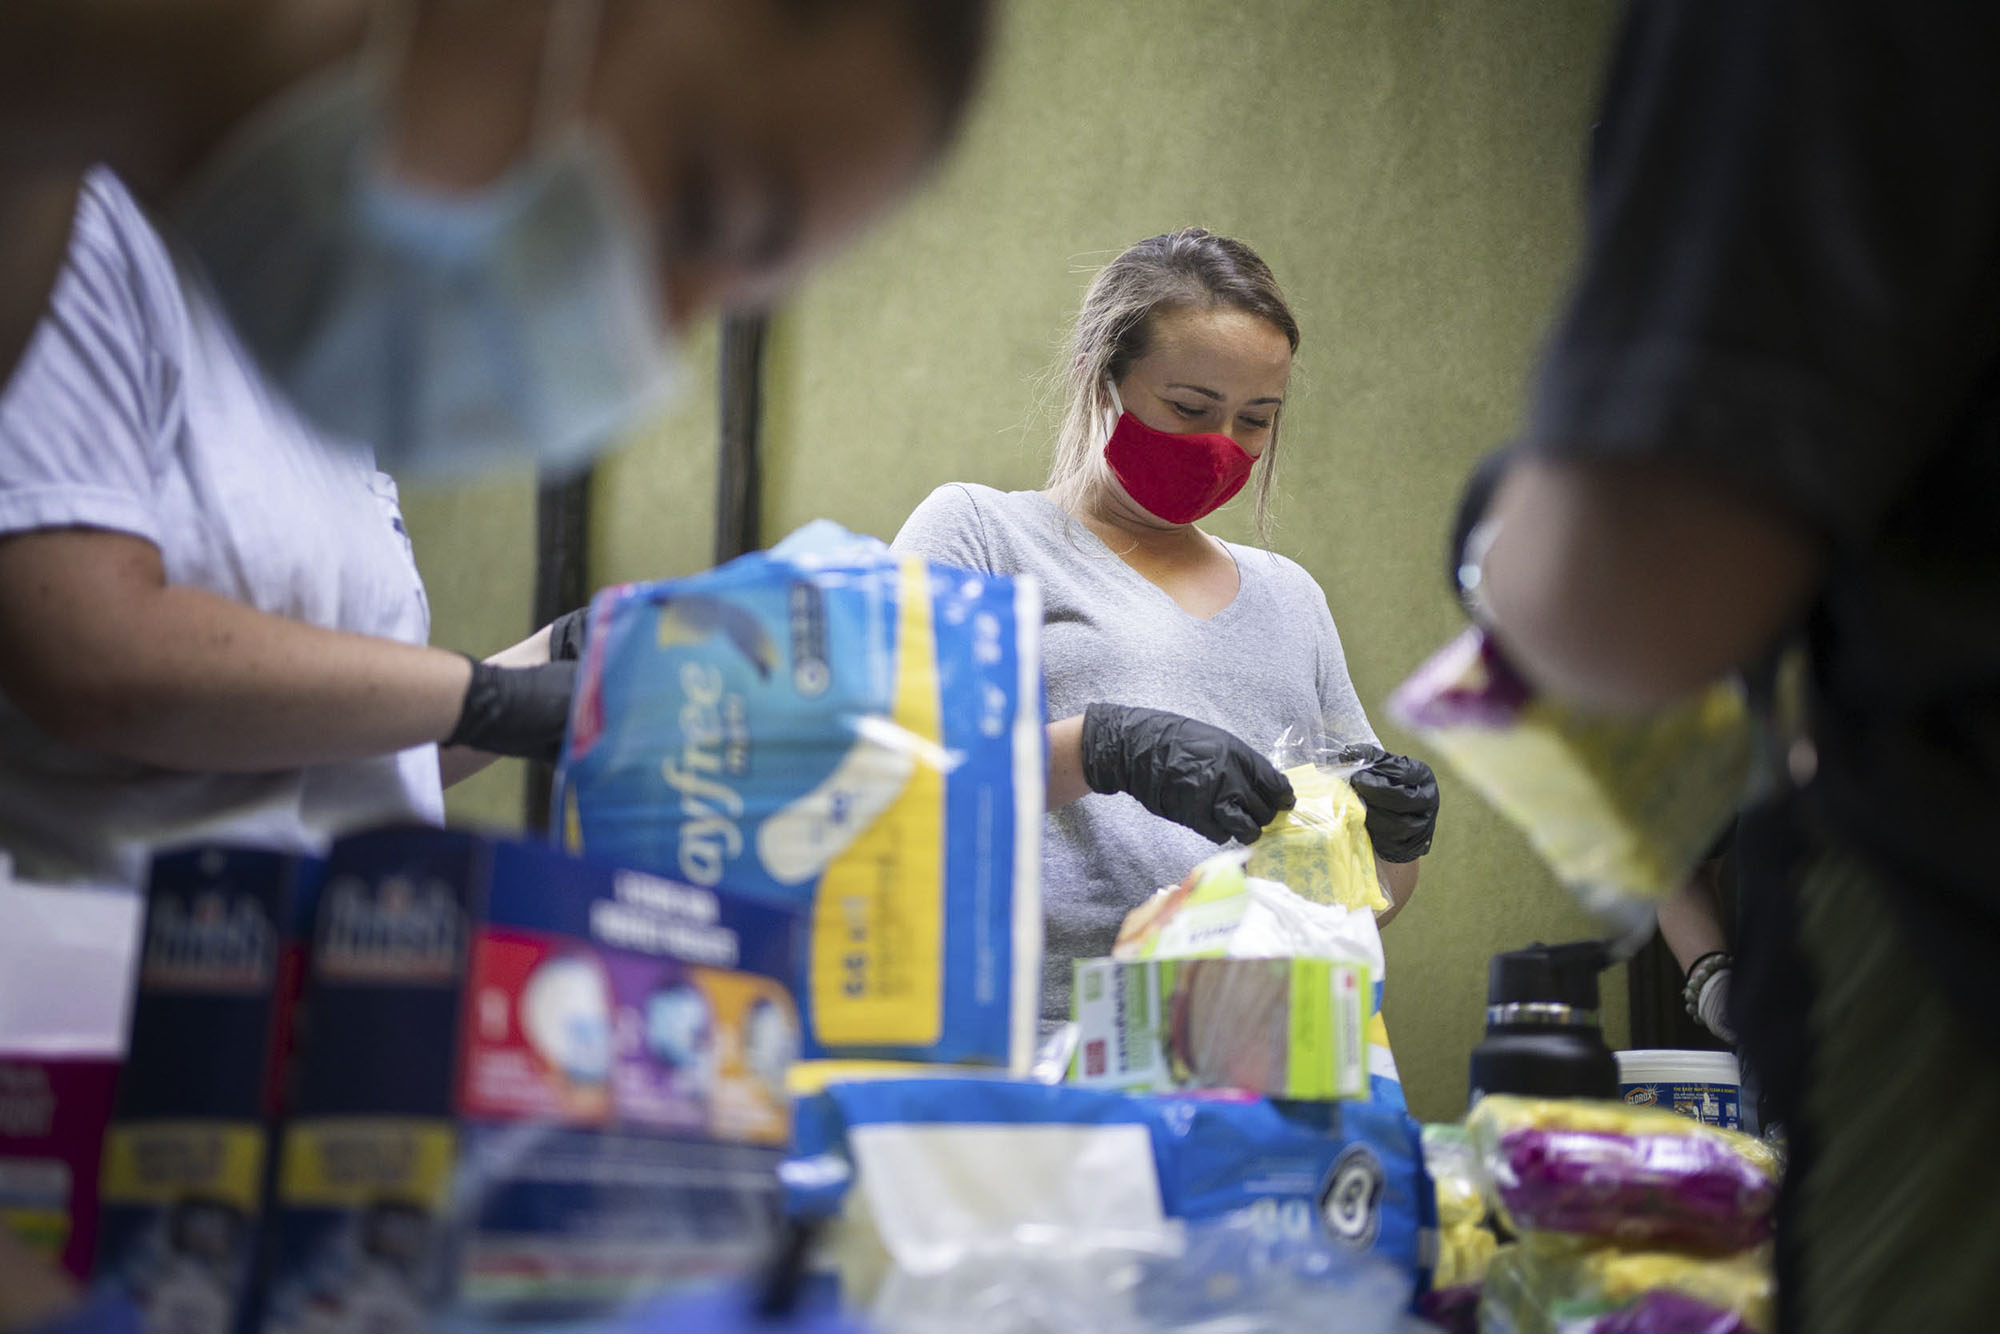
1173	660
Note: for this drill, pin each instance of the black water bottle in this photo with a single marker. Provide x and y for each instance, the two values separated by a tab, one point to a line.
1542	1037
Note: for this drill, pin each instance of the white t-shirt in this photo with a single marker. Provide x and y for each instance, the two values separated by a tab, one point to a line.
135	410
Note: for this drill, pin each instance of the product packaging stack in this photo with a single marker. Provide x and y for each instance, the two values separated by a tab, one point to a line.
858	737
531	1090
1627	1220
435	1081
1230	1149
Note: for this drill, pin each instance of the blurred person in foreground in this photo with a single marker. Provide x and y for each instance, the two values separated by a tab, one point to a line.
473	231
311	241
1771	414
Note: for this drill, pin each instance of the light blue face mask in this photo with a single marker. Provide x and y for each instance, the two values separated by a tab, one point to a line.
453	332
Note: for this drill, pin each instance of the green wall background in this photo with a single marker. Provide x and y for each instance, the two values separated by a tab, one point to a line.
1410	172
475	545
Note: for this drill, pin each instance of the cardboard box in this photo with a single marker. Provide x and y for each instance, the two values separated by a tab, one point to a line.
187	1159
535	1088
1289	1028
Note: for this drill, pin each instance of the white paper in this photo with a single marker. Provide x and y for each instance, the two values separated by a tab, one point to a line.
67	959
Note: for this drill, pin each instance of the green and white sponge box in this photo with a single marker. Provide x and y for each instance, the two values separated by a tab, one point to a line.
1289	1028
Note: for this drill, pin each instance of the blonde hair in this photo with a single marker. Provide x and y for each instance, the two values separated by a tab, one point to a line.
1191	269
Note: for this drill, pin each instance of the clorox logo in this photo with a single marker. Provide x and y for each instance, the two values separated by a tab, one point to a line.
1641	1095
1350	1203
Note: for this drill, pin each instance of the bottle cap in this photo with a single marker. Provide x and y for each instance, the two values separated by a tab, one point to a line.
1563	974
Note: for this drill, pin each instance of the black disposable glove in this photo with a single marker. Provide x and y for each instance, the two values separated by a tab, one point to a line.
567	633
1402	799
1182	770
519	711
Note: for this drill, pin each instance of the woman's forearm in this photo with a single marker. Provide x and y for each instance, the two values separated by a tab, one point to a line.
1066	762
104	655
1691	917
1399	882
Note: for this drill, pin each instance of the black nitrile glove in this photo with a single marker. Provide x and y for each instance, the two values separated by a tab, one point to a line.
1401	795
1182	770
519	711
567	633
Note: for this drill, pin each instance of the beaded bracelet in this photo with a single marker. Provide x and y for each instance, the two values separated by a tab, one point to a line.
1699	972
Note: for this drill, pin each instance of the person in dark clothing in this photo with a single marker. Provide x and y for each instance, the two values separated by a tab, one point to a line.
1771	413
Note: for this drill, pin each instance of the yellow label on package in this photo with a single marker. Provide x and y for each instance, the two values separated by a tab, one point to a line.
156	1163
1289	1028
878	921
353	1162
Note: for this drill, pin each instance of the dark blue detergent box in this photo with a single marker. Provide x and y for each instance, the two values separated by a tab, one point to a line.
188	1156
536	1090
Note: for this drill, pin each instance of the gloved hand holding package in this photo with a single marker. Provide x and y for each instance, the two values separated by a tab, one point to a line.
1401	794
832	727
1618	1172
1620	808
1354	802
1182	769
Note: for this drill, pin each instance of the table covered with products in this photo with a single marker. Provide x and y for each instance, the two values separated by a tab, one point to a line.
757	1044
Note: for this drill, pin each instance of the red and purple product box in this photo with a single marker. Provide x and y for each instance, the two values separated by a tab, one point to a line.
53	1113
535	1089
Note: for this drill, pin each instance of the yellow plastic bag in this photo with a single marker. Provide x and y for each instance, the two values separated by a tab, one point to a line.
1319	849
1620	808
1547	1284
1465	1244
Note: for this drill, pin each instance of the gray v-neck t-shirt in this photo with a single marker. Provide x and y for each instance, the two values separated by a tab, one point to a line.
1269	661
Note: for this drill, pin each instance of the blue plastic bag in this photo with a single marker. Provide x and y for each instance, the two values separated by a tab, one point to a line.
1262	1212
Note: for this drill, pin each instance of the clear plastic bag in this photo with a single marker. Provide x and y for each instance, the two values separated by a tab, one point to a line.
1465	1243
1548	1284
995	1207
1633	1174
1234	1273
1221	910
1319	849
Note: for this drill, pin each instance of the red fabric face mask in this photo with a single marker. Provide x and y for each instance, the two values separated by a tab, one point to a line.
1178	478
